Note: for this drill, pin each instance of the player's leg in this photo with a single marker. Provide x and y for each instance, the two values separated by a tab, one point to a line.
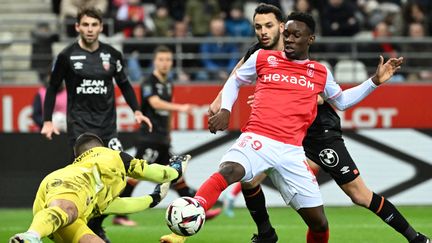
255	203
298	186
362	196
58	212
334	157
318	231
77	232
210	190
237	165
114	143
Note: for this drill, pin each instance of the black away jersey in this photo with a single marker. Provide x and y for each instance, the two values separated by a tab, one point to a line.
89	82
159	118
327	122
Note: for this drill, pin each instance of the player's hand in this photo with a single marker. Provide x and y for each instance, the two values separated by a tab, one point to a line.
48	129
250	100
215	105
140	118
187	108
386	70
219	122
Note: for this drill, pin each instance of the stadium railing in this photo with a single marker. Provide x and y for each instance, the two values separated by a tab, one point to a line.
15	53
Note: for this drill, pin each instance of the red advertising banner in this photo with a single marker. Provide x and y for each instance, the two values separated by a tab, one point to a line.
390	106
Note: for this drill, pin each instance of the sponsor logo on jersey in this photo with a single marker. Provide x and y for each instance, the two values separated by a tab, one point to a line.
310	70
147	90
105	60
329	157
82	57
89	86
272	61
345	170
276	77
119	67
78	65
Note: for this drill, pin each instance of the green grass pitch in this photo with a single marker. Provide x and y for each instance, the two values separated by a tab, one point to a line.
347	225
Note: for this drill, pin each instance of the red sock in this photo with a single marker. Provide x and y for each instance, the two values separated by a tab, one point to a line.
210	190
317	237
236	189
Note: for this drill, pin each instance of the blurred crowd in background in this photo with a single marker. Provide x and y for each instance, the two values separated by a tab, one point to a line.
135	20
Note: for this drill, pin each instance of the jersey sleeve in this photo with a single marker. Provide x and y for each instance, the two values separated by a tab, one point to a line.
148	89
331	89
246	74
60	68
120	74
343	100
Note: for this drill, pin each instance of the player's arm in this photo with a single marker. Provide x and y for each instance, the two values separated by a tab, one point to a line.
127	205
216	104
128	93
159	104
343	100
141	170
244	75
56	79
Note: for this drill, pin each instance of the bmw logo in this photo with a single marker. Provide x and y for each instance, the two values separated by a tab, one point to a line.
329	157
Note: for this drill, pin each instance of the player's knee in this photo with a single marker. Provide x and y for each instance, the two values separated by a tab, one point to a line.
248	185
319	225
69	208
232	172
359	199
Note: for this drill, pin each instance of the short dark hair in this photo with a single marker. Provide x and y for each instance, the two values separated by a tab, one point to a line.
264	8
305	18
90	12
162	48
87	141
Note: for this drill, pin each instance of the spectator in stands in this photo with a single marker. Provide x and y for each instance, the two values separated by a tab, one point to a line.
130	14
218	68
42	53
199	13
237	25
418	61
69	10
413	12
163	23
189	63
388	49
380	32
338	18
305	6
176	8
138	54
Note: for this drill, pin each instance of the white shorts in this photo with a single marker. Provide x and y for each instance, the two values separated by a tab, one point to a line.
285	164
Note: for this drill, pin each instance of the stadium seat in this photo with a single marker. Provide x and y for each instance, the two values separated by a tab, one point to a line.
350	71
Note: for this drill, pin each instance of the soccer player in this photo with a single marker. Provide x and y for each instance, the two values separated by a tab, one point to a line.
157	105
285	105
88	68
90	186
324	138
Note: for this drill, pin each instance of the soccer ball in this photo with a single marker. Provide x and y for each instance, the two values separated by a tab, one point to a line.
185	216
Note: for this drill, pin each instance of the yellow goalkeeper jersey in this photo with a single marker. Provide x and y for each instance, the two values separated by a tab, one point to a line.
107	168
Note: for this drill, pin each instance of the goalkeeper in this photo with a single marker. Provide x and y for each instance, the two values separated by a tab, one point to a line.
67	198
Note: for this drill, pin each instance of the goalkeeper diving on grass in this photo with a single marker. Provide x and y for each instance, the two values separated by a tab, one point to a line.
67	198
